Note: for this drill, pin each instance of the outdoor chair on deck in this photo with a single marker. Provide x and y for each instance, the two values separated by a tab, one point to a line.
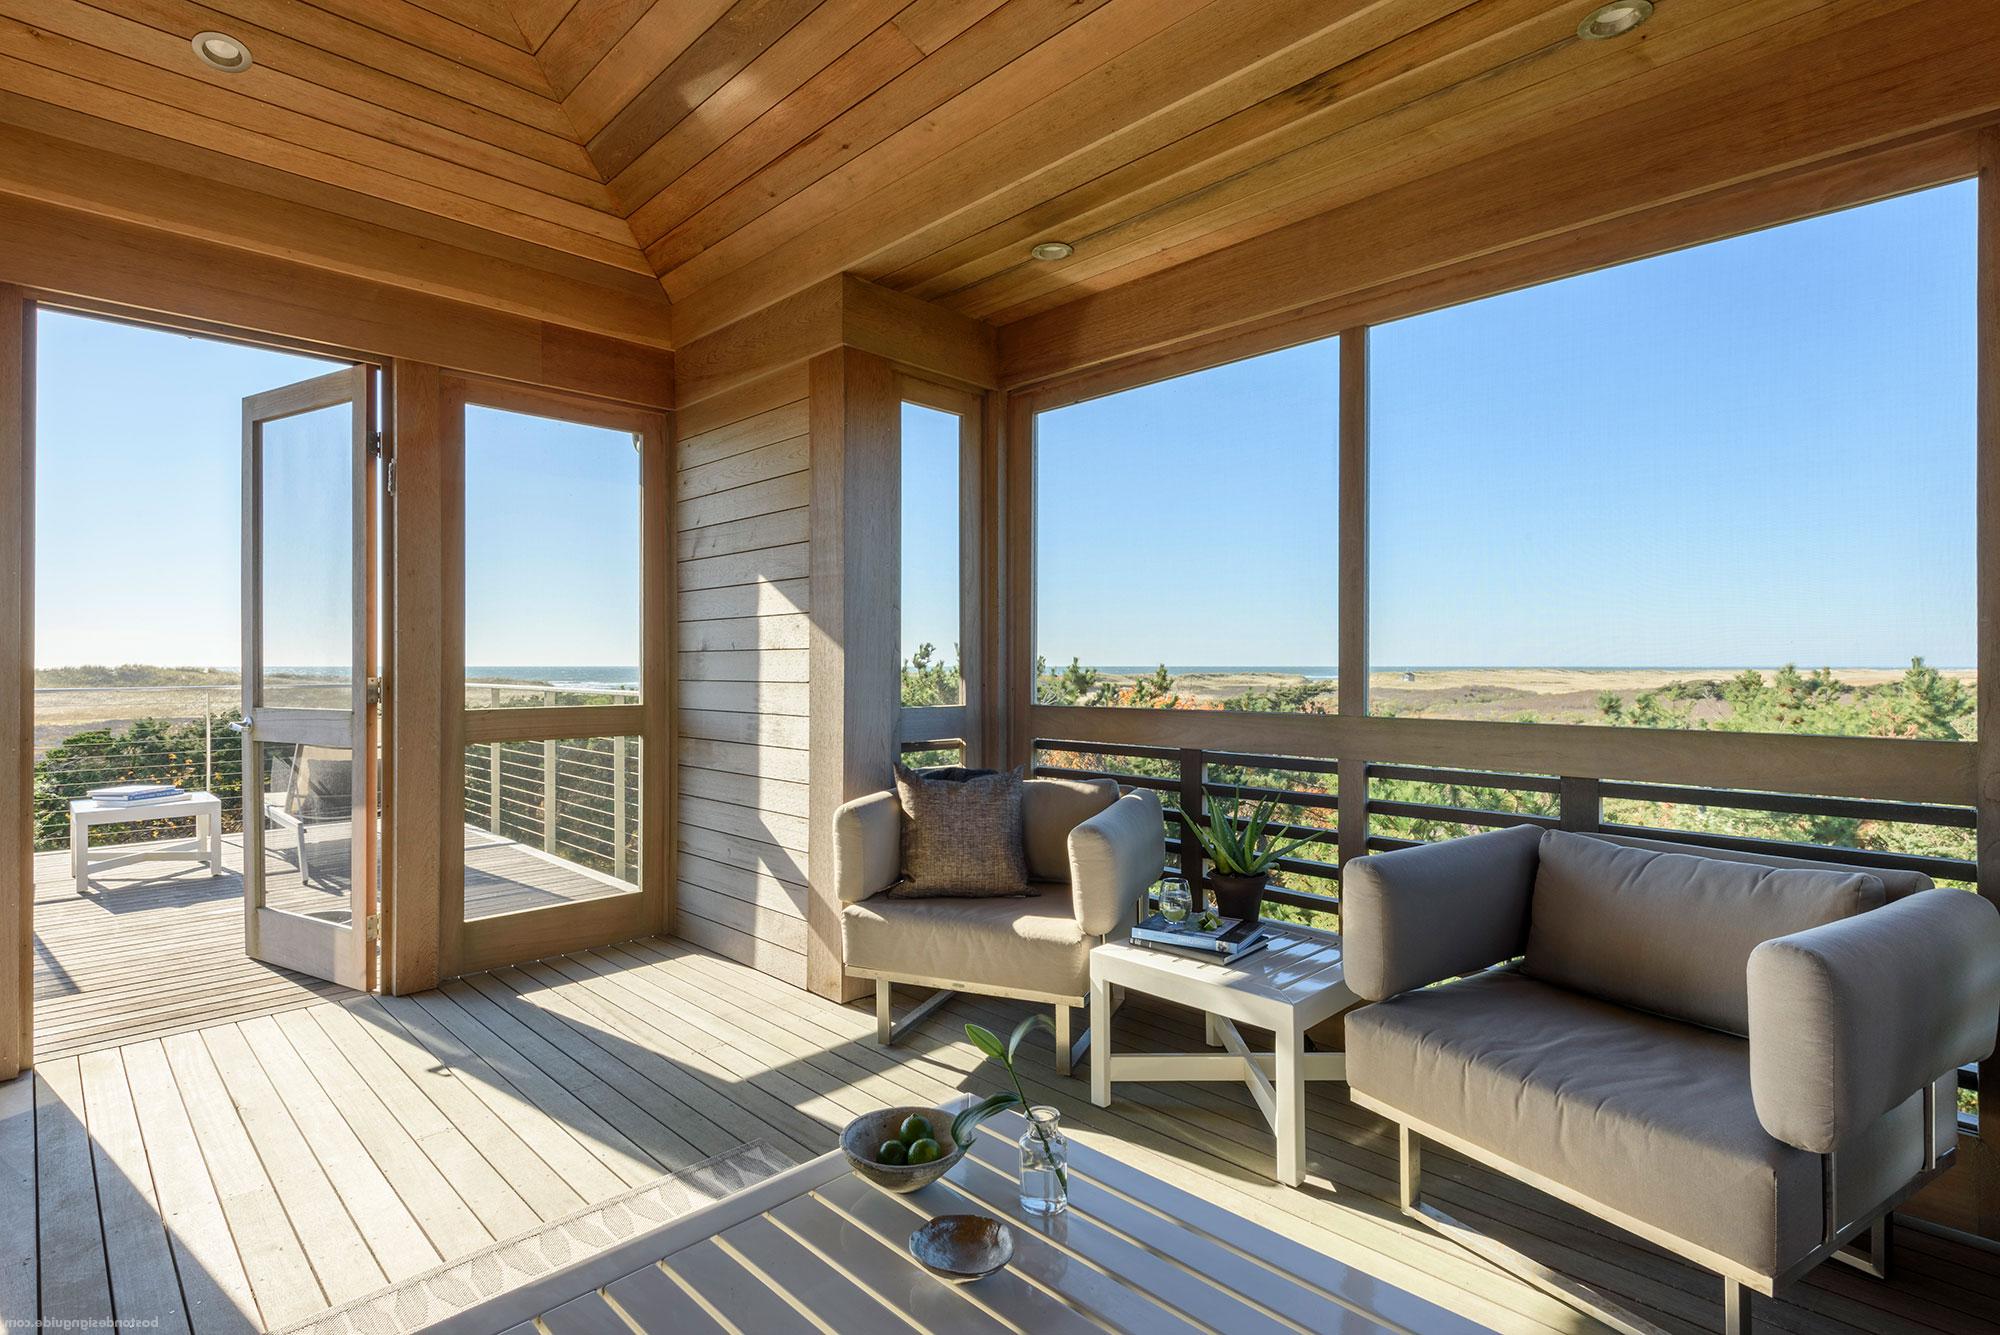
1748	1060
1091	854
318	783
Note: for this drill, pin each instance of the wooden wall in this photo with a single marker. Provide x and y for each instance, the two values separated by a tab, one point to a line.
743	485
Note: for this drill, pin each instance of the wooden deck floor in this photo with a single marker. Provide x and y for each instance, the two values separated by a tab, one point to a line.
156	948
302	1158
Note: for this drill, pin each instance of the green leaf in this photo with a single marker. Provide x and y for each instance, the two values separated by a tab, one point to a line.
963	1125
1021	1032
985	1040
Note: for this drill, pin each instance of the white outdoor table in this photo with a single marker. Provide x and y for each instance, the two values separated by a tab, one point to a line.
1289	986
85	814
817	1248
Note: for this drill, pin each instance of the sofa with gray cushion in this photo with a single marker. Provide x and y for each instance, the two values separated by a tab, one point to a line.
1747	1060
1091	854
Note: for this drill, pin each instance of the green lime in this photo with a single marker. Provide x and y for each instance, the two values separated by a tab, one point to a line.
916	1127
924	1150
892	1152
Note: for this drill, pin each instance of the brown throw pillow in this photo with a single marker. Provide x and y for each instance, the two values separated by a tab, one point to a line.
961	838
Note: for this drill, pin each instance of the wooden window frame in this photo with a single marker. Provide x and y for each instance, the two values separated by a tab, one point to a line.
535	933
960	724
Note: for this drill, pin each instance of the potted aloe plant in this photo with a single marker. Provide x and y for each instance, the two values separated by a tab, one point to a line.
1242	853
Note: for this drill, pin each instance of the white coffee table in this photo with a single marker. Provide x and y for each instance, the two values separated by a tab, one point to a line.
85	814
1289	986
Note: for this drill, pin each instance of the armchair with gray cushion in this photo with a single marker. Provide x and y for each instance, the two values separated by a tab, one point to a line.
1747	1060
1091	854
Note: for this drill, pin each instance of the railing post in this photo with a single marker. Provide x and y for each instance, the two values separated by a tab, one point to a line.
549	788
1351	816
493	786
1194	767
618	827
1581	809
207	742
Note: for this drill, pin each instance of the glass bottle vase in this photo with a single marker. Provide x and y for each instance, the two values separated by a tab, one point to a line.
1044	1163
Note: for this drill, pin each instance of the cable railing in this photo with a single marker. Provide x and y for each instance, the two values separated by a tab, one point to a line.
100	736
576	799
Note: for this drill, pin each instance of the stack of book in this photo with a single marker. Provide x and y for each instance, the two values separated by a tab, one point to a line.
131	794
1230	938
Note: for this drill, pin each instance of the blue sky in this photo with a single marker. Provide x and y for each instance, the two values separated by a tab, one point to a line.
1749	453
930	531
139	507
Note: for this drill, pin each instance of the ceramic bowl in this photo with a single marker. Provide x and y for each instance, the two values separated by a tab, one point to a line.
962	1247
865	1134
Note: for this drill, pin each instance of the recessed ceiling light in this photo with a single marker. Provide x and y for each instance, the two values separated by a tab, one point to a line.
220	51
1615	19
1053	250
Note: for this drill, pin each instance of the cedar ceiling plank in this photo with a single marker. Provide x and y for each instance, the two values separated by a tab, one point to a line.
717	56
36	79
142	191
311	26
279	51
1892	76
421	28
654	41
978	143
493	19
265	92
224	169
840	87
777	72
678	225
929	24
1430	56
583	37
1414	140
1387	111
538	19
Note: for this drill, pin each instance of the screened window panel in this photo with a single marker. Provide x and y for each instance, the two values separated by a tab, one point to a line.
930	651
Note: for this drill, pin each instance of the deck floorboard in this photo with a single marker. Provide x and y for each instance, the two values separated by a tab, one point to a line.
277	1160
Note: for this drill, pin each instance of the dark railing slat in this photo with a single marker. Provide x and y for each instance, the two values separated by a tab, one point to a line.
1296	764
1466	778
1128	780
1908	813
1955	869
1460	815
1289	797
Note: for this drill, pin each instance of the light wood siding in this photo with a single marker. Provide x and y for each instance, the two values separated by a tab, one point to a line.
744	582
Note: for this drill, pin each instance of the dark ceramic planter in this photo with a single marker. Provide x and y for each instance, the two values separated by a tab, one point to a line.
1239	896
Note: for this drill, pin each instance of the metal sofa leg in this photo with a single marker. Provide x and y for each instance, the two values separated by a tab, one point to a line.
1409	1195
888	1030
1735	1308
1869	1253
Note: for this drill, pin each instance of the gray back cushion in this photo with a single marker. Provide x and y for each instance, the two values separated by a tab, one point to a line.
1672	932
1895	884
1050	809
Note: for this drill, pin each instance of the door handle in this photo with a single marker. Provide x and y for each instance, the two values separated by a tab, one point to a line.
240	726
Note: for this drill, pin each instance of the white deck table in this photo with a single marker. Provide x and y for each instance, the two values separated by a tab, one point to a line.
817	1249
1289	986
86	814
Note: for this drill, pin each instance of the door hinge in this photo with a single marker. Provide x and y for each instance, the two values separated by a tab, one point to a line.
375	691
373	924
389	478
375	443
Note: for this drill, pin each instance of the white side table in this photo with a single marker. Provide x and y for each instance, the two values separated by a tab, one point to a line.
85	813
1287	987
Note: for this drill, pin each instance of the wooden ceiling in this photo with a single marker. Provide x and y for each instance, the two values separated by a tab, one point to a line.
722	154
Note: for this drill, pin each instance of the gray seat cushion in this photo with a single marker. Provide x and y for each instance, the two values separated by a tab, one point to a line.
1672	932
1033	945
1648	1116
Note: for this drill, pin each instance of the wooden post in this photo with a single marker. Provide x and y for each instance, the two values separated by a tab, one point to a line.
418	748
493	753
1193	767
1986	1157
549	796
856	535
1582	810
1351	670
17	668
